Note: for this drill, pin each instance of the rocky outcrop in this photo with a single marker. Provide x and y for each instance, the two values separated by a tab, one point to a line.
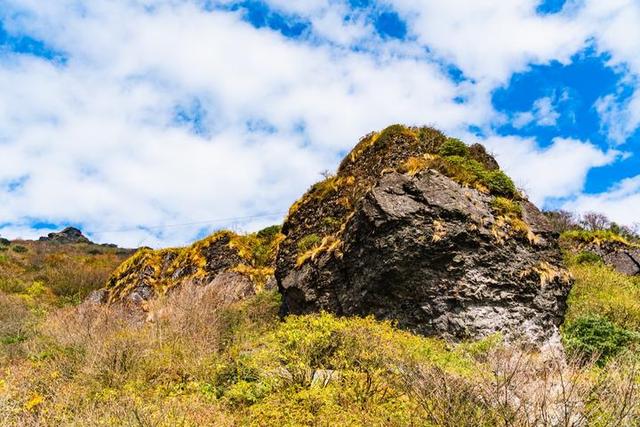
616	252
69	235
419	229
224	260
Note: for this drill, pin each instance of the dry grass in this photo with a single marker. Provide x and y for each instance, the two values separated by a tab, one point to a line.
529	389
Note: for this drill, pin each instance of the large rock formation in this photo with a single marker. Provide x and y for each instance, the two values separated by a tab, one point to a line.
239	263
421	229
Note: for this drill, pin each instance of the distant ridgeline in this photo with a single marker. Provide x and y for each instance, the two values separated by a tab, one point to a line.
414	226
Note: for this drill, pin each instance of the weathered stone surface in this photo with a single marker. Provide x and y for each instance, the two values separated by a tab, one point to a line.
432	255
624	261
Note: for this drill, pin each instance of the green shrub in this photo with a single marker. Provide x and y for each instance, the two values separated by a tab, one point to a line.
588	257
269	233
4	242
596	337
499	183
12	285
19	249
464	170
453	147
506	207
594	236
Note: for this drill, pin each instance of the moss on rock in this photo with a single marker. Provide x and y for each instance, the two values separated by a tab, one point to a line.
157	271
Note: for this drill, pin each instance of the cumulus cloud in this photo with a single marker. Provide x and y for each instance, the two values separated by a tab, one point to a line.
107	139
543	113
616	32
163	113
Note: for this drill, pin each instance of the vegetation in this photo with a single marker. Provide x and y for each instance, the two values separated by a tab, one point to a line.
66	273
588	257
595	236
200	361
596	337
463	169
453	147
194	358
250	254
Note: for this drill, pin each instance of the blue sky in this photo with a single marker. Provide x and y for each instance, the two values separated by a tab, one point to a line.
156	121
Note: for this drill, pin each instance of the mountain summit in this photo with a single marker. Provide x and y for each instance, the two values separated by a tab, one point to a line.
68	235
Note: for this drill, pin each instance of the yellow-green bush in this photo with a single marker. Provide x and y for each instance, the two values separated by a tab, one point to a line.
600	290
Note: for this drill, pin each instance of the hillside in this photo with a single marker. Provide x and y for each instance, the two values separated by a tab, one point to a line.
63	267
202	335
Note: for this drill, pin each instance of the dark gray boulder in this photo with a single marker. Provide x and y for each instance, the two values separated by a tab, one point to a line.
432	254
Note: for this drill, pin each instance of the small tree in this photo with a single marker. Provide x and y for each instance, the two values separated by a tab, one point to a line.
594	221
561	221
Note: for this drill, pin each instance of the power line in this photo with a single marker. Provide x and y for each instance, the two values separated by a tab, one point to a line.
187	224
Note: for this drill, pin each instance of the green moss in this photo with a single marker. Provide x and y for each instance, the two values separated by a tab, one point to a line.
331	222
309	242
453	147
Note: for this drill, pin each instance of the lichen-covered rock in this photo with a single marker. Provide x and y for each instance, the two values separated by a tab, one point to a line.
223	256
429	240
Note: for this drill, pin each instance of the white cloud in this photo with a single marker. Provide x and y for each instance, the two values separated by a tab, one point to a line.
96	140
491	39
616	32
543	113
621	203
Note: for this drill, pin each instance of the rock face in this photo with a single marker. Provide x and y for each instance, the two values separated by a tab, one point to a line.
224	260
68	235
441	255
625	261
